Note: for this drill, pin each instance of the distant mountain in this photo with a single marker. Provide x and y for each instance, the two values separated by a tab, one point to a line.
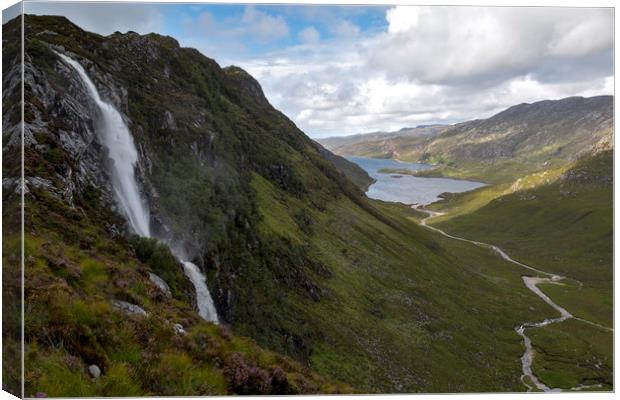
379	144
523	138
547	129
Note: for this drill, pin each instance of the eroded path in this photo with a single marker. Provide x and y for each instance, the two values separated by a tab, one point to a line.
531	283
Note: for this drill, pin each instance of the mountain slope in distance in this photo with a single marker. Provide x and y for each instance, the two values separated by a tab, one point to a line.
380	144
522	139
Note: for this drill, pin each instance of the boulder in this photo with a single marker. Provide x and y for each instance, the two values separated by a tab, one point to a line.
161	284
129	308
94	371
178	329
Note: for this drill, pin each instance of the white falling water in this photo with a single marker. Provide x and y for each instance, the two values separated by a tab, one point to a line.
117	138
206	309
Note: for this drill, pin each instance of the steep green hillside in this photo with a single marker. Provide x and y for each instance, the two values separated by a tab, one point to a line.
351	170
77	278
407	310
203	133
90	300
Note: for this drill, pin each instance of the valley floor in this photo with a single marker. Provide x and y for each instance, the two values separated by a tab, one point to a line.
561	232
528	377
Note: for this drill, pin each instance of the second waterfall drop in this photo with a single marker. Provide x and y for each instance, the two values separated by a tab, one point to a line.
117	139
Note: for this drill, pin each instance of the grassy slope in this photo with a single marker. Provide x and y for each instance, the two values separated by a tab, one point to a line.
351	170
497	173
225	131
457	204
564	227
573	353
73	271
406	310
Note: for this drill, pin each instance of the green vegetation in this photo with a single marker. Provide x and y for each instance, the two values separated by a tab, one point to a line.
573	353
564	227
159	259
11	214
71	323
499	172
464	203
402	171
351	170
395	299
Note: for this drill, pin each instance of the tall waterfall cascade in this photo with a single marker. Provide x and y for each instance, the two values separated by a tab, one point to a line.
116	137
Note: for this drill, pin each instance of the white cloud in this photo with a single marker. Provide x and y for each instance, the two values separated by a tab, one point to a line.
263	25
440	64
484	45
252	24
402	18
104	18
326	98
590	35
344	28
428	64
310	35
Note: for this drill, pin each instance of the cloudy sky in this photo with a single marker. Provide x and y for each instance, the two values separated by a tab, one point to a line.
351	69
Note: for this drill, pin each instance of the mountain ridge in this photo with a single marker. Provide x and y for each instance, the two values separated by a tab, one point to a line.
345	144
534	136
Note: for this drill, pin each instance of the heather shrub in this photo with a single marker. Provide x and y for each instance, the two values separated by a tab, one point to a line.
245	378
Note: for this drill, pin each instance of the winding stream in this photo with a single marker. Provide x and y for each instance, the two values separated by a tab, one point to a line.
531	283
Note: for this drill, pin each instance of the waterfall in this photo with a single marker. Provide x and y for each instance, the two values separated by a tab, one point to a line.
118	140
116	137
206	308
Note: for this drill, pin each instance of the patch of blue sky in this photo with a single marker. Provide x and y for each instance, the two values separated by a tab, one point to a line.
183	21
369	19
